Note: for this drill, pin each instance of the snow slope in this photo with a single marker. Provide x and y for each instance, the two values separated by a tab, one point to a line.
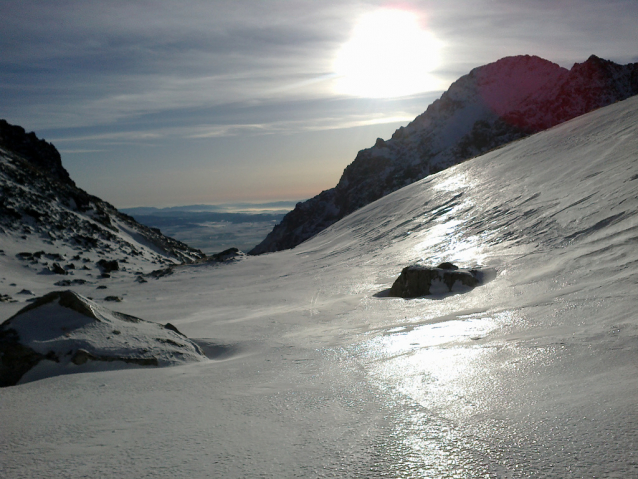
315	372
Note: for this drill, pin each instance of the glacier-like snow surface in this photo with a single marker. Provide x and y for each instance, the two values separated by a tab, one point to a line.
314	372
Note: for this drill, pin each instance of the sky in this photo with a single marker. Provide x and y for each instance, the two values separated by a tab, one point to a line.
167	103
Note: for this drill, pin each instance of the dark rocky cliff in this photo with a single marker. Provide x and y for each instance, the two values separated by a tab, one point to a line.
37	152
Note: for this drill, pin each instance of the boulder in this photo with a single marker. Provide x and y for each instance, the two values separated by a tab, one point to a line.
64	332
57	269
108	266
226	255
419	280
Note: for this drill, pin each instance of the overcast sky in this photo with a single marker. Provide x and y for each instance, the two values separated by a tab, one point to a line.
162	103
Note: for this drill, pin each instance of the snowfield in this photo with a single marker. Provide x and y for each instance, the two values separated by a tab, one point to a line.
315	372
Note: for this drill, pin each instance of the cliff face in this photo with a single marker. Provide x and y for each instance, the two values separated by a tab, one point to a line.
489	107
38	153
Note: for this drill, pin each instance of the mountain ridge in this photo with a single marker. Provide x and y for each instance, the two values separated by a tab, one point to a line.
491	106
41	209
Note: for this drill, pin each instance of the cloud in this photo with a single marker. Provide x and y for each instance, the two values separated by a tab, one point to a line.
99	62
125	84
70	64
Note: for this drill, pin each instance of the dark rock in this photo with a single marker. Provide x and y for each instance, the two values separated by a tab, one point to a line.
69	282
5	298
160	273
418	280
38	153
101	287
26	291
230	253
140	279
116	299
447	265
57	269
108	266
173	328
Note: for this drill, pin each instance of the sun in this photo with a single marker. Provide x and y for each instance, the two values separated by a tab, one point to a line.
388	55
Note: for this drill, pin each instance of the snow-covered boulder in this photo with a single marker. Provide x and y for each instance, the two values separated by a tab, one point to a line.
419	280
64	332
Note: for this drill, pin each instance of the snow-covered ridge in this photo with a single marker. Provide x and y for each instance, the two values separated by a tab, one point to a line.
489	107
51	226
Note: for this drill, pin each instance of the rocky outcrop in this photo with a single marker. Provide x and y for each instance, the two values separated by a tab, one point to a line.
489	107
38	153
418	280
70	333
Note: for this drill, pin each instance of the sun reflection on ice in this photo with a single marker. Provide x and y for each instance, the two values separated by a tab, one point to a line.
426	370
445	240
453	183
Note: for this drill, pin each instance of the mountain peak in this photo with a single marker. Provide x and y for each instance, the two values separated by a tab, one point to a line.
492	105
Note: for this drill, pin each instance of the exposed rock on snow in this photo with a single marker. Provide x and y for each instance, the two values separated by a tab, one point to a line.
418	280
63	332
227	256
491	106
108	266
57	269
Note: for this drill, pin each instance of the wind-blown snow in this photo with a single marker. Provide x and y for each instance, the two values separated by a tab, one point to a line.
316	373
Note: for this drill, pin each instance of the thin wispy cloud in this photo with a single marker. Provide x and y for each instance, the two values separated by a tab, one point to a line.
117	79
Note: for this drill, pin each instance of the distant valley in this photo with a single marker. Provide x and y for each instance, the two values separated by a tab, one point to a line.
214	228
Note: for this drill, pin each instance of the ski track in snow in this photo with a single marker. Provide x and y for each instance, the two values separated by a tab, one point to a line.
317	374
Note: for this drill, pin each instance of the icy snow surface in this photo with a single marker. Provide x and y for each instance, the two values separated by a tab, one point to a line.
314	372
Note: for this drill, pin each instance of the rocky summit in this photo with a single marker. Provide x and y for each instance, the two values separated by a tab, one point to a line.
492	105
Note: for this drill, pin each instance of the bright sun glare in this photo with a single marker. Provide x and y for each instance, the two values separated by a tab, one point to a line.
388	55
